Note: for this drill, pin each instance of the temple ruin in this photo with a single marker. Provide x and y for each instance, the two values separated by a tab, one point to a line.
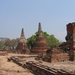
22	46
64	52
47	61
70	40
40	44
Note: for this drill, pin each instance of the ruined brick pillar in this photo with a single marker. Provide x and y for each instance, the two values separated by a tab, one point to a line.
22	46
40	44
70	39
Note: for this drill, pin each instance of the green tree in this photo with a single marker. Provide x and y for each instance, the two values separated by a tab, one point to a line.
7	42
1	44
30	41
50	39
12	42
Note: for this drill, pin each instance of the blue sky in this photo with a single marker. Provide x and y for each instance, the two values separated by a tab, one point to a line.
18	14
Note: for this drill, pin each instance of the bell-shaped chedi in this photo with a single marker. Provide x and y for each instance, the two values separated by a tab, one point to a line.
22	46
40	44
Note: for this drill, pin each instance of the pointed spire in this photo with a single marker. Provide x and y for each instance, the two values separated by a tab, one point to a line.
22	38
39	29
22	32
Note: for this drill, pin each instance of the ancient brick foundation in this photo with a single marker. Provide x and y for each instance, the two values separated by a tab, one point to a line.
57	57
40	69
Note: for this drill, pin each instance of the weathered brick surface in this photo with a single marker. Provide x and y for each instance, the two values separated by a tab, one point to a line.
40	45
46	68
66	51
22	46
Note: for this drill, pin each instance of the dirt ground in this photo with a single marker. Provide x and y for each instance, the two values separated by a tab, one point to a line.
10	68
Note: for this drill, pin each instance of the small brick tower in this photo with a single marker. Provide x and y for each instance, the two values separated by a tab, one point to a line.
22	46
40	44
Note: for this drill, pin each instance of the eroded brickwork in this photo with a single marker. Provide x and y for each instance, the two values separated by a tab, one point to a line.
65	52
70	40
22	46
40	45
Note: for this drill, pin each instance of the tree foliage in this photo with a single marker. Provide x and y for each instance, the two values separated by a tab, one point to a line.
1	44
11	43
50	39
30	41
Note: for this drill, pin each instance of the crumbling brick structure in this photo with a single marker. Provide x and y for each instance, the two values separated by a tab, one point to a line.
22	46
56	55
66	51
40	44
70	40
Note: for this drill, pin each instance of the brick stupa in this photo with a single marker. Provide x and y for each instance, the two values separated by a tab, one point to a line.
22	46
40	44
